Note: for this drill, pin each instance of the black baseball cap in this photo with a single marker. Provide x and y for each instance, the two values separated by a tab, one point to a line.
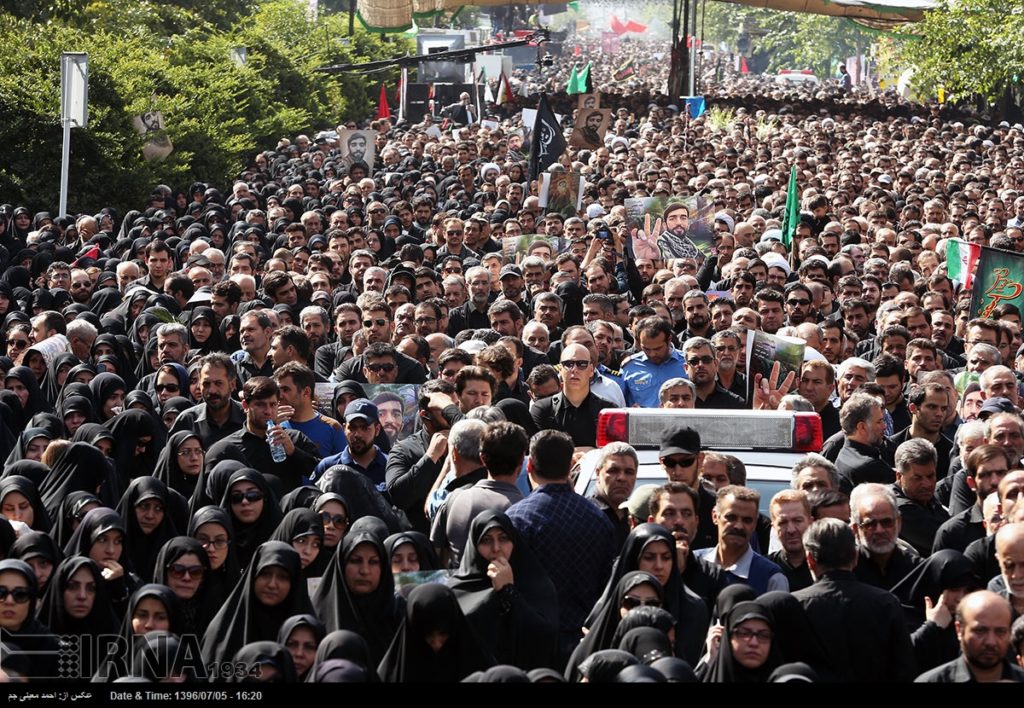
680	441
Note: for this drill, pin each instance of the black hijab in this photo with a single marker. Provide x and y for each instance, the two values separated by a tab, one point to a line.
213	343
518	624
300	498
212	483
346	645
169	471
75	404
196	610
726	669
361	494
220	582
103	386
50	385
36	402
128	427
33	637
293	623
675	670
243	618
255	655
375	616
249	536
53	612
7	537
605	665
37	544
410	659
141	547
424	550
25	487
80	468
71	511
690	611
21	446
115	666
647	644
96	523
298	523
602	631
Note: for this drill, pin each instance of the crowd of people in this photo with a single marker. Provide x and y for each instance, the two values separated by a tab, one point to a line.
195	465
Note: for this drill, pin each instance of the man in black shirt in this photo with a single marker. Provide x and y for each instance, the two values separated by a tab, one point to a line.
702	368
575	408
791	516
219	414
616	471
985	466
920	513
875	518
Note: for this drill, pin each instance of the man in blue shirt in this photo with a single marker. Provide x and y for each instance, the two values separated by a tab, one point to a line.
362	426
657	362
569	535
297	383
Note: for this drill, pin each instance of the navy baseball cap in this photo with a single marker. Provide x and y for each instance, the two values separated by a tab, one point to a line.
361	408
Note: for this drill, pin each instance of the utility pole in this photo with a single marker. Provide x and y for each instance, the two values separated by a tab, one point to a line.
677	78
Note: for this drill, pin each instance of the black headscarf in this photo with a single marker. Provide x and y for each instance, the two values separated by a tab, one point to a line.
300	498
103	386
249	536
75	404
213	343
519	624
644	616
604	666
221	581
128	427
647	644
196	610
419	541
32	637
50	385
675	670
263	653
361	494
36	544
7	537
374	616
21	445
212	482
80	468
410	659
347	645
71	511
169	471
690	612
293	623
725	668
141	547
297	523
243	618
53	612
115	664
95	524
729	597
72	386
25	487
602	631
36	402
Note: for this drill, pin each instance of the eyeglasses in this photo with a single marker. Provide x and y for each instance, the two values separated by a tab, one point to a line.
338	521
454	233
380	322
887	522
194	452
378	211
745	635
380	368
20	595
795	302
670	462
170	388
79	286
580	364
179	571
630	602
218	543
17	343
706	360
253	495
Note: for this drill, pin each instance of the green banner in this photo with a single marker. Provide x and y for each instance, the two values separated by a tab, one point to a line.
998	280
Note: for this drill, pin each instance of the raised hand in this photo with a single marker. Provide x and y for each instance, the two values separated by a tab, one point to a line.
768	394
645	241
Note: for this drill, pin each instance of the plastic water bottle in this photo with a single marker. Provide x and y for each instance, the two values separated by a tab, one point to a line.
276	451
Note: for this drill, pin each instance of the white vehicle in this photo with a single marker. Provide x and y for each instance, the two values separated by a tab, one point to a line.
796	76
768	443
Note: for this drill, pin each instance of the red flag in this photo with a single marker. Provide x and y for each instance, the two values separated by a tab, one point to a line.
383	110
93	253
743	66
577	51
617	26
635	27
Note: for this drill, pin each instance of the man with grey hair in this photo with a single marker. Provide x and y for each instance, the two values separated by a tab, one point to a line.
536	335
172	343
315	322
729	350
501	448
81	335
921	513
615	468
998	381
701	363
677	393
853	373
862	630
875	518
812	472
862	420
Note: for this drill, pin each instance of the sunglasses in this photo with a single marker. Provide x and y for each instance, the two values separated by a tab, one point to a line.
171	388
20	595
379	368
197	452
217	543
336	520
380	322
706	360
580	364
18	343
253	495
670	462
798	303
630	602
179	571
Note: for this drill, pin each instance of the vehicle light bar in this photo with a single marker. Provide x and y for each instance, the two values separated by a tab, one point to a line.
779	430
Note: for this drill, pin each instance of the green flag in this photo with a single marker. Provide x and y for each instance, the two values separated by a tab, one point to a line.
998	280
792	215
573	85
